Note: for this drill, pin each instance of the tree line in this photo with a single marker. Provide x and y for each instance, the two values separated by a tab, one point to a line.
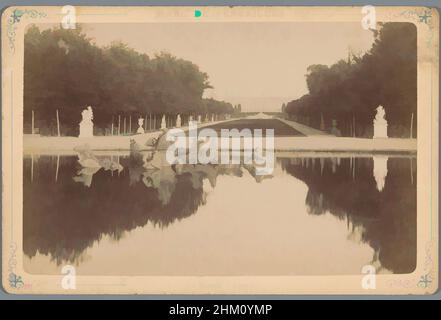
65	70
346	94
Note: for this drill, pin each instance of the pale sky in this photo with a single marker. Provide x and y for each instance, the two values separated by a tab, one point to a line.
259	65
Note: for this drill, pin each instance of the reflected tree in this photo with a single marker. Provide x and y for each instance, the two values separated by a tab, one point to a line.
346	188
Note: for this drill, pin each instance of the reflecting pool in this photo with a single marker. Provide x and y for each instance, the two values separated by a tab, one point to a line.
125	214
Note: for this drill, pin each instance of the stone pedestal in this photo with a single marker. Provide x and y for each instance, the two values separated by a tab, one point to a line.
86	129
380	130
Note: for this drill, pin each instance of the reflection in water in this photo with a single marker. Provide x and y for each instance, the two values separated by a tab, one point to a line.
90	164
380	170
99	197
383	218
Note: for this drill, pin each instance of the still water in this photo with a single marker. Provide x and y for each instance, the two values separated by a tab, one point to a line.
312	216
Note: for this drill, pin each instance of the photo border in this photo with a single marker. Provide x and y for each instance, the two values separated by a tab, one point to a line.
428	77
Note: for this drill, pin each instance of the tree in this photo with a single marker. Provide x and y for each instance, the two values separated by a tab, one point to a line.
350	91
65	70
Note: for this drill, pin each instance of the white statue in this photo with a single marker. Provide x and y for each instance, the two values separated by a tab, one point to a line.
140	125
86	124
212	118
178	121
206	118
380	170
380	123
199	119
163	124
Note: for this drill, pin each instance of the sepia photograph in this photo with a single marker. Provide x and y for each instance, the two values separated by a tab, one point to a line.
220	150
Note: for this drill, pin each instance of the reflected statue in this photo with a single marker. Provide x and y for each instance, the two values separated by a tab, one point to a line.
198	173
108	164
91	164
140	125
380	170
86	158
85	175
158	174
135	163
252	169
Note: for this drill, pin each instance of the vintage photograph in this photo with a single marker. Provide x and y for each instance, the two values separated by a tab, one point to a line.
202	144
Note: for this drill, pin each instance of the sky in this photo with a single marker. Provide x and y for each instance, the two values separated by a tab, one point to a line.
258	64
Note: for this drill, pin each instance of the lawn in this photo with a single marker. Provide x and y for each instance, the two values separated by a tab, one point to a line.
280	128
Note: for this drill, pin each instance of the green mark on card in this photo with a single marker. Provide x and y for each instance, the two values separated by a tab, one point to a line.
197	13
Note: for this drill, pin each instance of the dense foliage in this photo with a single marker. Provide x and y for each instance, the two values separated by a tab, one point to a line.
65	70
346	189
348	92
